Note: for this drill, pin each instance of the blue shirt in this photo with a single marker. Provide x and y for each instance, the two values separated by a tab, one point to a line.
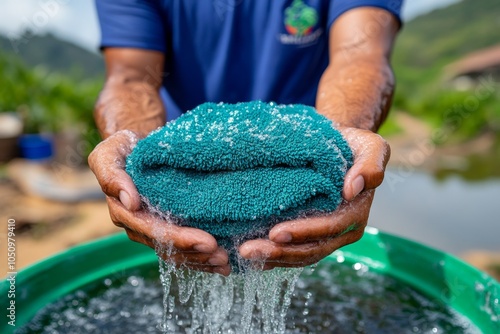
231	50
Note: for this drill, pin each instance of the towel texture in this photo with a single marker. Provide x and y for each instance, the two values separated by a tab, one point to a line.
235	170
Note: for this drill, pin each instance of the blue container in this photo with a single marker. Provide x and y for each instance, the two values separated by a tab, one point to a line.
36	146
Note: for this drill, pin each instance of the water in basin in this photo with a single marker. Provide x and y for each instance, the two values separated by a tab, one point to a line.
330	298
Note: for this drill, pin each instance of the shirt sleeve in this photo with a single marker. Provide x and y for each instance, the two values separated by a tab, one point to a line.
338	7
131	23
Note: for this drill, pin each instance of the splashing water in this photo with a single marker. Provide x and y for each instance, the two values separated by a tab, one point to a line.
336	297
254	301
260	299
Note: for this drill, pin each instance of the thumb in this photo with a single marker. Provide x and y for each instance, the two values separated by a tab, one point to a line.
107	161
371	155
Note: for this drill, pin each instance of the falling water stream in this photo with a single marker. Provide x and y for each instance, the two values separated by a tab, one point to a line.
254	301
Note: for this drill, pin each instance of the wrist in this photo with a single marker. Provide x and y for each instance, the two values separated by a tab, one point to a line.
134	106
357	94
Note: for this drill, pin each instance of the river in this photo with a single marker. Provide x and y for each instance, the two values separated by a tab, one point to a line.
452	215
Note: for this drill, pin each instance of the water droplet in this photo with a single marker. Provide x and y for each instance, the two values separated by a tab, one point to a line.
133	281
125	314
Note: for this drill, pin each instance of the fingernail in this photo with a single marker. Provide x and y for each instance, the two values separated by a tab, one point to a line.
125	199
283	238
357	186
203	248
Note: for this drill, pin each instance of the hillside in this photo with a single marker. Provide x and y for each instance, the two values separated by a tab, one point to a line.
53	54
433	40
424	47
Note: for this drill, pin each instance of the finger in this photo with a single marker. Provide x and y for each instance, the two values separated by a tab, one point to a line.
150	229
107	161
279	255
212	263
311	229
371	154
170	253
348	217
216	259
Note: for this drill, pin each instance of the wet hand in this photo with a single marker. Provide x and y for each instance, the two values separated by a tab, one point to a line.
305	241
190	247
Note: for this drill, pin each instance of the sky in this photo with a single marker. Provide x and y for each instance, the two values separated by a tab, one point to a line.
76	21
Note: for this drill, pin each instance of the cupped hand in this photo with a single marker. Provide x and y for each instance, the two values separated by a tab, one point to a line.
186	246
305	241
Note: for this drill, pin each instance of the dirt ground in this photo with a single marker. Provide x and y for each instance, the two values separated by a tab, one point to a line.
44	227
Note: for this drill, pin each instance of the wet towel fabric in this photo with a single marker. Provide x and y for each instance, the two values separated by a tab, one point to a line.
235	170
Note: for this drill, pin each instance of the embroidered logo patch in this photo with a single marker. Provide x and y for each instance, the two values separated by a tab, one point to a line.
300	20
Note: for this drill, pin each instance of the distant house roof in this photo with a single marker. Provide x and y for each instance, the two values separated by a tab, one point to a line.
476	63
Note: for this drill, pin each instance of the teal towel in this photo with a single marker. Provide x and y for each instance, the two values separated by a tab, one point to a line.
235	170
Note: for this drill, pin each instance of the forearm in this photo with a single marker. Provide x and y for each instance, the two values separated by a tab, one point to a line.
130	99
357	86
128	105
356	93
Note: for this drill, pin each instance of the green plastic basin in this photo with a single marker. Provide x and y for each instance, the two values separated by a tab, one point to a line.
440	276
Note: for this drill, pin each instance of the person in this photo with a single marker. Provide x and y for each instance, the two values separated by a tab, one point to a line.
331	54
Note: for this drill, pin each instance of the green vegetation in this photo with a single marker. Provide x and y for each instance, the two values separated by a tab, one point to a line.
430	42
448	33
390	127
49	101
